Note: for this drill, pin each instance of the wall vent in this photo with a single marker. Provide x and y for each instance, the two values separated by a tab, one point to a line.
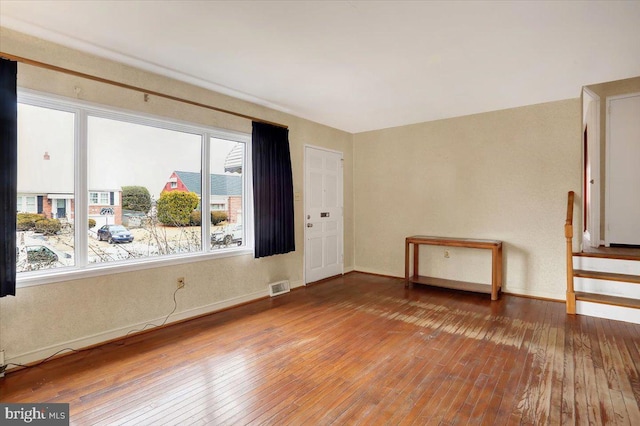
280	287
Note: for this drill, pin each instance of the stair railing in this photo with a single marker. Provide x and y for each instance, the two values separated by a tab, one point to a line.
568	233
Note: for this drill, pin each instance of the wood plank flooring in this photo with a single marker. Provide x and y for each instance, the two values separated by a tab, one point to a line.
358	349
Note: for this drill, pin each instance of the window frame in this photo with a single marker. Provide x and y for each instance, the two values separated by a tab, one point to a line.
82	110
99	195
23	204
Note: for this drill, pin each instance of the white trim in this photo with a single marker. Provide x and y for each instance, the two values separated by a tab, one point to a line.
116	333
601	264
132	116
51	276
205	189
82	191
60	196
593	148
599	310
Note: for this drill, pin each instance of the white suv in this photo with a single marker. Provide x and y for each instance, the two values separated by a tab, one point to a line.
232	234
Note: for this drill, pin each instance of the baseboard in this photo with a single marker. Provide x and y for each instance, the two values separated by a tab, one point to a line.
536	297
296	284
376	272
115	334
510	291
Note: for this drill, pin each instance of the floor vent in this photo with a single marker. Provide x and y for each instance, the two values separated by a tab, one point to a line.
280	287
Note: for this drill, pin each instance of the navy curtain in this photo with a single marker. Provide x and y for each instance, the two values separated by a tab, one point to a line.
8	175
272	190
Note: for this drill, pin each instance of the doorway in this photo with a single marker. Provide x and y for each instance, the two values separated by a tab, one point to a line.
61	208
591	172
622	171
324	251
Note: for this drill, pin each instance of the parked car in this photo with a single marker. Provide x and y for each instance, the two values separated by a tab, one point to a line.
39	256
115	234
227	236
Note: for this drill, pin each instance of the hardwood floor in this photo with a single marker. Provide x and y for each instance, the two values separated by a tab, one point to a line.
358	349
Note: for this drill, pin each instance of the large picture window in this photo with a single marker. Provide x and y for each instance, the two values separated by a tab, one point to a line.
134	185
45	231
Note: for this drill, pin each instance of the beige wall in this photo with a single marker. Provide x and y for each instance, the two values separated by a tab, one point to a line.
502	175
499	175
44	318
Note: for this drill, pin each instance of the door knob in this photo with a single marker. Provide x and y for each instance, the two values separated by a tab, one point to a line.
309	225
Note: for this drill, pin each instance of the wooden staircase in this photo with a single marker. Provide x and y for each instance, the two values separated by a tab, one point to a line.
606	286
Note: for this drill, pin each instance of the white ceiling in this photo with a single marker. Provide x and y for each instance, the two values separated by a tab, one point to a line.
357	65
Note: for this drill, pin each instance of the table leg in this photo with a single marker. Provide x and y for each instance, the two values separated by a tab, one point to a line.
495	274
406	263
500	266
416	258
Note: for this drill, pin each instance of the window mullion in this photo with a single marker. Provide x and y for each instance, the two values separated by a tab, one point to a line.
205	196
81	195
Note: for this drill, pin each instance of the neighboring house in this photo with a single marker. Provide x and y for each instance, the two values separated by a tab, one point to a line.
53	206
226	191
104	205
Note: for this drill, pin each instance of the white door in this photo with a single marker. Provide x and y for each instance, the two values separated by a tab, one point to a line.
323	214
623	170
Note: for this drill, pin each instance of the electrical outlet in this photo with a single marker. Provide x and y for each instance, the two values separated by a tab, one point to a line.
181	282
446	254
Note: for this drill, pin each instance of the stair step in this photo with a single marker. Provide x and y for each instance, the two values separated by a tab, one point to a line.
605	264
635	279
607	300
608	256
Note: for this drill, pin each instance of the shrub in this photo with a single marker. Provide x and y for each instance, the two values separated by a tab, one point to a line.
175	207
196	218
218	216
92	223
136	198
48	226
27	221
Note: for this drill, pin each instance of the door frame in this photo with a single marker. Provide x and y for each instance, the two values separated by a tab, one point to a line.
305	212
591	120
607	194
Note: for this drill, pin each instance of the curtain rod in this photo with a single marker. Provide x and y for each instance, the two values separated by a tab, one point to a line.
131	87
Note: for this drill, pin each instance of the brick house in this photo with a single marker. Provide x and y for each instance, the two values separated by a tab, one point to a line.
226	191
62	205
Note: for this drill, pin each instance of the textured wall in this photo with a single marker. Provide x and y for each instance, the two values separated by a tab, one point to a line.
44	318
501	175
498	175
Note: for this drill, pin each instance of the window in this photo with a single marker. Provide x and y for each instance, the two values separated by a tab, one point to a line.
46	135
134	207
100	198
227	186
27	204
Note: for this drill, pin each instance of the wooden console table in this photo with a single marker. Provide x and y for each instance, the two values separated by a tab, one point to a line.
496	263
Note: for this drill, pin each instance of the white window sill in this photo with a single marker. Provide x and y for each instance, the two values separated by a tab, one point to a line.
51	276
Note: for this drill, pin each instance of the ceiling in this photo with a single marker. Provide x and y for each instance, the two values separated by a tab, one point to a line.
357	65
